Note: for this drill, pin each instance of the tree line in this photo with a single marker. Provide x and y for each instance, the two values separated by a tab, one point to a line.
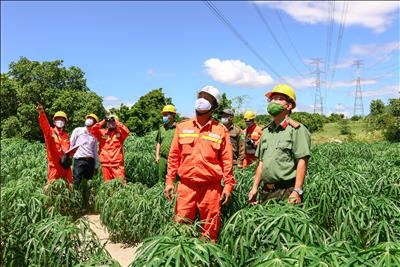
28	83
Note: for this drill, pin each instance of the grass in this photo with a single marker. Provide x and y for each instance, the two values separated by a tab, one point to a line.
331	133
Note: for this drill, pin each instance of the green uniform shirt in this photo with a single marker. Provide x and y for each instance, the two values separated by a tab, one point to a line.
164	138
278	149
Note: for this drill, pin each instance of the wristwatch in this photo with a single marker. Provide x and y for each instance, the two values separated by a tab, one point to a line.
299	191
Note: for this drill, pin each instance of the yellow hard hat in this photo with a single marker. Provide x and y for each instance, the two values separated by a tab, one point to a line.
249	115
92	115
60	114
169	108
283	89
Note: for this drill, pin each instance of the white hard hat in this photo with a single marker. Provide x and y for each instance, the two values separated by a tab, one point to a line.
212	91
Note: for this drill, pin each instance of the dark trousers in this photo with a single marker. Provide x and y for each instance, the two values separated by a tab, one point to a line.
162	169
83	169
279	191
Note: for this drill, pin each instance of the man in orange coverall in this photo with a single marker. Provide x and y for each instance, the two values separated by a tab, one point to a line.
251	136
57	143
201	154
111	146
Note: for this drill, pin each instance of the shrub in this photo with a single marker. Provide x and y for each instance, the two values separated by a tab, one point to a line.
313	122
180	251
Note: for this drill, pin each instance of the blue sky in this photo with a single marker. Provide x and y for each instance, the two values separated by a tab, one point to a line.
129	48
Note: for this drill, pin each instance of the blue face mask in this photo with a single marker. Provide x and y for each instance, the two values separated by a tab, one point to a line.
165	119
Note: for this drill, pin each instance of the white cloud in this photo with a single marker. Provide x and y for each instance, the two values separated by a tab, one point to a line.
118	105
391	90
375	50
110	98
303	83
114	102
237	73
344	64
299	82
304	108
354	83
156	73
375	15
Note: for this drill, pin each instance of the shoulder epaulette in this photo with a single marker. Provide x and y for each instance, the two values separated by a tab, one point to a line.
293	123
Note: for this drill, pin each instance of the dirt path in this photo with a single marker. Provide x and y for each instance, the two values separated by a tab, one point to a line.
120	252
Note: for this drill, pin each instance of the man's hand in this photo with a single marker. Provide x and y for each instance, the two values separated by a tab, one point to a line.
294	198
253	196
157	159
169	192
225	197
39	108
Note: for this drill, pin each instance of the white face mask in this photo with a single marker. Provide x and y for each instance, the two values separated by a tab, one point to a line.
224	121
59	123
202	104
89	122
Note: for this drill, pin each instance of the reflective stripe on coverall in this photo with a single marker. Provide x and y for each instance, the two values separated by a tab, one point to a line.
56	141
111	149
202	157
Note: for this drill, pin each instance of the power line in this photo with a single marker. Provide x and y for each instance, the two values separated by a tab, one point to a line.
382	59
381	76
276	39
290	40
227	23
339	42
390	66
339	39
329	36
329	45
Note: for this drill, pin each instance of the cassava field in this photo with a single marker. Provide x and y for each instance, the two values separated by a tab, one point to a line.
350	215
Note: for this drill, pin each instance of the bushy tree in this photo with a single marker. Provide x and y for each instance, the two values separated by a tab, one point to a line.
225	103
56	87
335	117
345	127
356	118
144	116
377	107
394	107
313	122
392	132
388	121
238	102
263	119
239	120
8	95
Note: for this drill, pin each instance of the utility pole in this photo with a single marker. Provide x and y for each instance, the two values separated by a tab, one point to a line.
318	107
358	101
